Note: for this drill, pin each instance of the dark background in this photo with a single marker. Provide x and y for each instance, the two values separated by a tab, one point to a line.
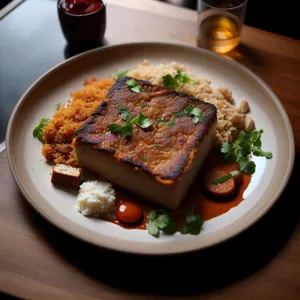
271	15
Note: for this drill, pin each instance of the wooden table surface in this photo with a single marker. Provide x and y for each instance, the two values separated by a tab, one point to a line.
38	261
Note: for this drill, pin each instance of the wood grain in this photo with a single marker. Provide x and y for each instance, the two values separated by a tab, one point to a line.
38	261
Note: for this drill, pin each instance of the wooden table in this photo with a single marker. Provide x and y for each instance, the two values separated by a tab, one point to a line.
38	261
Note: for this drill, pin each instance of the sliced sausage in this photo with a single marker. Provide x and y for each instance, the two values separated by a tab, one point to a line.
219	189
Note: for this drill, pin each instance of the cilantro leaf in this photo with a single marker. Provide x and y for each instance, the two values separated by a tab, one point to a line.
255	138
115	128
195	120
166	224
226	147
174	82
230	158
152	214
186	79
170	123
156	145
132	84
258	152
246	165
180	114
144	158
137	89
127	129
38	131
160	220
189	108
153	228
142	121
168	81
193	223
121	74
241	148
58	105
124	113
167	123
194	112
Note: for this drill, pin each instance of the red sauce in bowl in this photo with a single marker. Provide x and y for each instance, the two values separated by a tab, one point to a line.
80	7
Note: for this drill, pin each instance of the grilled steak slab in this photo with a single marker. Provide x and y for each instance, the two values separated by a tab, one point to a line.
159	162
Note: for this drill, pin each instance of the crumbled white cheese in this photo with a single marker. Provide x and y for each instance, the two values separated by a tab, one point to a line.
96	198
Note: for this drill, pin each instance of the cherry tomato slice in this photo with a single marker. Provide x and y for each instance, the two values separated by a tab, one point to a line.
129	212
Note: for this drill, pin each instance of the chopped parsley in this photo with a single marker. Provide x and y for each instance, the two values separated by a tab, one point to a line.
132	84
174	82
240	149
124	113
127	128
58	105
226	177
142	121
194	112
167	123
160	220
156	145
193	223
38	131
121	74
144	158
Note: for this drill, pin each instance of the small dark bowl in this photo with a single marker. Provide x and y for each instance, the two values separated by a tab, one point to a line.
83	31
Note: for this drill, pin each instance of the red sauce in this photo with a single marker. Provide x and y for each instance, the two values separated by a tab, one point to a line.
207	206
80	7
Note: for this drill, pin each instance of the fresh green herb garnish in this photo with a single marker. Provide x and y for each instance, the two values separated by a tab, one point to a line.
167	123
58	105
174	82
241	148
194	112
193	223
124	112
142	121
38	130
132	84
137	89
121	74
156	145
144	157
226	177
126	129
160	220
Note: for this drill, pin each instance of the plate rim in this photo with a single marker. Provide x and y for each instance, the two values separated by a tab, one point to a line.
162	251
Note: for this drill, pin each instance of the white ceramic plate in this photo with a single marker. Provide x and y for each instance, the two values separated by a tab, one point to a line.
32	173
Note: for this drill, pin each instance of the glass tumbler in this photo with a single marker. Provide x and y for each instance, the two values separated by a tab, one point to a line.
220	23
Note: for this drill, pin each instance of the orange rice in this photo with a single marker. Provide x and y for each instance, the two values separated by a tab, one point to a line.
59	132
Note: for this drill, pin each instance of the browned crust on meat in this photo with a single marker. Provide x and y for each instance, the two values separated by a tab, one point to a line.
177	144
